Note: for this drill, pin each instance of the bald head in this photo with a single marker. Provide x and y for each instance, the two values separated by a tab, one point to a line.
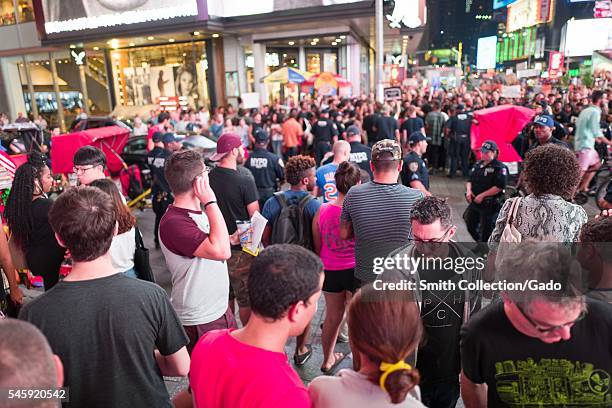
26	359
342	151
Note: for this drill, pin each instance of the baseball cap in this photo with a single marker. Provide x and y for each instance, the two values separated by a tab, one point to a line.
261	136
417	137
353	130
460	106
544	120
386	146
169	138
225	144
489	146
157	137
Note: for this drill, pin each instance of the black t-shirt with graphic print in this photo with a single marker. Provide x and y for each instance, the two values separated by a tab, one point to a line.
522	371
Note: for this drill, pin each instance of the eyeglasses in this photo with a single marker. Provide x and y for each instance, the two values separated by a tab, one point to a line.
82	169
549	329
439	239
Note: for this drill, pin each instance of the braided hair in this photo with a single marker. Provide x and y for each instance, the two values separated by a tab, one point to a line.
18	210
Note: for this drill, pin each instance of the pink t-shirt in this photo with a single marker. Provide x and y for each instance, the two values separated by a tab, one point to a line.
336	253
227	373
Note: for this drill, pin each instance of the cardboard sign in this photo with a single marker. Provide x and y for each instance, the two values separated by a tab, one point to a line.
250	100
511	91
393	93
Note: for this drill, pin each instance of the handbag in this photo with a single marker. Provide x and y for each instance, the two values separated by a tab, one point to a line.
142	265
510	235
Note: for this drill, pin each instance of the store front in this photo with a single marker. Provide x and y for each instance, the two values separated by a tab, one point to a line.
172	73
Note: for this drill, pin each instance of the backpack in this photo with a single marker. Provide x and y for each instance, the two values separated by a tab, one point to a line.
131	181
510	235
291	226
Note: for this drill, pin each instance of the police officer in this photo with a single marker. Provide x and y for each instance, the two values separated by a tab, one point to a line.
267	168
459	128
161	195
543	128
414	171
484	191
325	133
360	153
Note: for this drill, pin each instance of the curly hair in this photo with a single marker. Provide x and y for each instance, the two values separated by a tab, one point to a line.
429	209
18	210
296	167
552	169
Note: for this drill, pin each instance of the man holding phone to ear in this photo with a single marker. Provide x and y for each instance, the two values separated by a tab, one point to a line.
195	242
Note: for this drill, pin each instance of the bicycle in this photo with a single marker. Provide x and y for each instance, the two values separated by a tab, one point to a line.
602	179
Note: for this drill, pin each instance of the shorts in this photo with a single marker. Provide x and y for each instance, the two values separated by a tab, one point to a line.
339	281
587	158
226	321
238	267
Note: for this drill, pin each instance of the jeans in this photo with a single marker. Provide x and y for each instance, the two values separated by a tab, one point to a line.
277	147
440	394
480	220
459	149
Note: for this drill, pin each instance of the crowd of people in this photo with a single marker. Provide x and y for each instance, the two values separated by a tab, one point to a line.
345	187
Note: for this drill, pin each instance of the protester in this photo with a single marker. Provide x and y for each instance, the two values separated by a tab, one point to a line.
89	163
552	174
292	134
386	126
434	127
326	184
384	330
238	201
594	253
41	370
338	257
538	336
248	367
116	336
376	214
196	244
411	124
26	212
124	242
443	311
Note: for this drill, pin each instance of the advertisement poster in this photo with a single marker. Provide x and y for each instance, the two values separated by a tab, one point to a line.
137	86
161	81
75	15
185	84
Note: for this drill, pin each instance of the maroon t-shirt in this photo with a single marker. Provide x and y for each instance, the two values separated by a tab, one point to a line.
179	231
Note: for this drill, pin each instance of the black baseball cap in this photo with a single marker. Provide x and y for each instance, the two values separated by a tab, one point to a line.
157	137
417	137
489	146
353	130
261	136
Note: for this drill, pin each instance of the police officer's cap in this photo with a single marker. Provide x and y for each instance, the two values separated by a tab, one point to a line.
353	130
460	107
489	146
261	136
417	137
157	137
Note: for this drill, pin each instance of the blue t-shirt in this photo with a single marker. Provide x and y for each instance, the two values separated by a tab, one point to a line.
272	207
326	181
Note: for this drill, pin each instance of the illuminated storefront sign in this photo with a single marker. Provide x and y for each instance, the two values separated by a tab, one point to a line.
527	13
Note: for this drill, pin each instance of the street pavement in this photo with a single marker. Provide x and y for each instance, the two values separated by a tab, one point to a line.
452	189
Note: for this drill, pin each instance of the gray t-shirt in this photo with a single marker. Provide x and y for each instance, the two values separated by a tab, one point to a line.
380	214
105	332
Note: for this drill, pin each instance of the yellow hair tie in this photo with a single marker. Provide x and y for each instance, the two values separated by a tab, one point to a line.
388	368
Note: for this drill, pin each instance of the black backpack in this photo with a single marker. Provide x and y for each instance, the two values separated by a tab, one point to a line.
291	226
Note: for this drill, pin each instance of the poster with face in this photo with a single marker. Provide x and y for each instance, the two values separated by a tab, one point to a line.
161	82
186	84
142	89
128	75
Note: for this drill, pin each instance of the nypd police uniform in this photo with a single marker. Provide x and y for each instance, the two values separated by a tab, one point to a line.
480	218
266	168
323	131
161	195
415	169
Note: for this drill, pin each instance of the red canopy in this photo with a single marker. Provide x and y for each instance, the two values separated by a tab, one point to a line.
110	139
501	124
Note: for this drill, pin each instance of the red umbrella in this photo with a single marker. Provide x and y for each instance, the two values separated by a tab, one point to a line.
501	124
110	139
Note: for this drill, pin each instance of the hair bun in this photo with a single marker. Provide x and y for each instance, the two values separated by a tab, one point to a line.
36	159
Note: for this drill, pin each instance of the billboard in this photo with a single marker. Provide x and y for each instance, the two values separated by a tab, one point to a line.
497	4
234	8
527	13
75	15
597	30
486	53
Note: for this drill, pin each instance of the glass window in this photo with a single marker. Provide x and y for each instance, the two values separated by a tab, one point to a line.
144	75
25	12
